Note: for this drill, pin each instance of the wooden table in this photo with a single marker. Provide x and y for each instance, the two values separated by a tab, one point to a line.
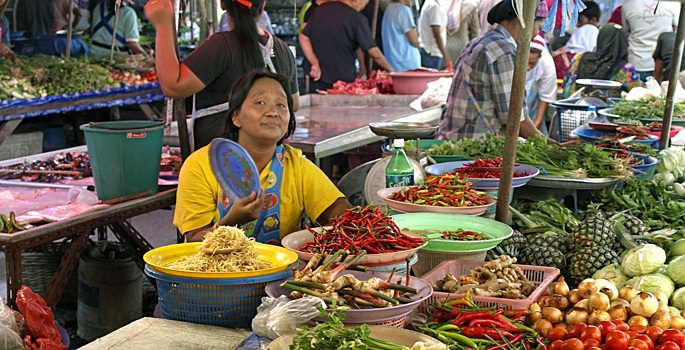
77	230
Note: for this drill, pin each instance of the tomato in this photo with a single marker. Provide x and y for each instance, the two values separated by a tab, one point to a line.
632	334
617	340
558	333
606	327
591	332
669	345
638	329
592	342
620	325
575	330
632	348
673	335
654	332
645	338
593	348
555	345
572	344
640	344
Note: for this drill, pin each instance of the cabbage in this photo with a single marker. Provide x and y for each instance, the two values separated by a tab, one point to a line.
678	298
614	273
676	270
669	160
664	179
677	248
654	282
643	259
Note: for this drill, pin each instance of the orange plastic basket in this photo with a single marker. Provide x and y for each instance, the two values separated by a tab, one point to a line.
541	276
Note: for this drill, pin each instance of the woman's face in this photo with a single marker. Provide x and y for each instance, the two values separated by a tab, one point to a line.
533	59
264	114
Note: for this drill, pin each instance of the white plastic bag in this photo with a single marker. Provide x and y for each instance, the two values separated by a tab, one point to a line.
277	317
7	318
9	339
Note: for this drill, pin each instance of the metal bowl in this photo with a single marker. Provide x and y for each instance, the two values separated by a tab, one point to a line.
406	131
599	84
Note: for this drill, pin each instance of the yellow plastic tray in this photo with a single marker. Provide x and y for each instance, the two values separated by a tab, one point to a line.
278	258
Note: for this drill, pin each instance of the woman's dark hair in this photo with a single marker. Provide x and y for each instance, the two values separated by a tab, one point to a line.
533	50
591	11
244	15
239	92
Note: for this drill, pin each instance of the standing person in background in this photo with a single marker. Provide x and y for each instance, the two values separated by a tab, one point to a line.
45	17
662	57
644	21
226	23
212	67
330	42
484	7
463	25
608	62
60	10
433	34
583	39
400	38
541	83
102	29
5	51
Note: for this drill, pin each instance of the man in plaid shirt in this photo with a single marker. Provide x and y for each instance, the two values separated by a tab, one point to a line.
478	101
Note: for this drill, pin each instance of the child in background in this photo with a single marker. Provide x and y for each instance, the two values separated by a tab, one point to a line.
583	39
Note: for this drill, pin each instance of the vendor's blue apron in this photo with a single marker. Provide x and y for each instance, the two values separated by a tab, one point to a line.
104	22
533	99
266	228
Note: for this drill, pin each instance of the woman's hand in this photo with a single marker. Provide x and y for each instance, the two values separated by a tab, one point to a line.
159	12
244	210
315	72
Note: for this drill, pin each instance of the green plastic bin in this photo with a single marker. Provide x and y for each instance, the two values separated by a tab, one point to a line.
124	156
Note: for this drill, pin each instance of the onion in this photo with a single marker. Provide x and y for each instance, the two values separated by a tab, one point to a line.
584	304
561	287
628	292
599	301
662	298
560	325
534	312
576	315
677	322
552	314
618	312
607	287
661	319
558	301
621	302
644	304
542	300
542	326
598	316
587	287
673	311
574	296
638	320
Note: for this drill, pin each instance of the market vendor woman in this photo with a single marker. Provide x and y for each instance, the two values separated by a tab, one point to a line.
260	117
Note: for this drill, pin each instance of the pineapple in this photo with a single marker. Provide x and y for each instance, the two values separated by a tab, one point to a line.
593	231
542	256
551	240
633	224
510	246
587	260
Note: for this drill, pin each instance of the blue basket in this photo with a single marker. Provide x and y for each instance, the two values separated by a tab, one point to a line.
225	302
646	170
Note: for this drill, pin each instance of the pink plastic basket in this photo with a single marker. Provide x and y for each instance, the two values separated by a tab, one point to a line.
540	275
397	322
429	259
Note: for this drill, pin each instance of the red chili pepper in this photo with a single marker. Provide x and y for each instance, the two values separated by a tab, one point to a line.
483	332
466	316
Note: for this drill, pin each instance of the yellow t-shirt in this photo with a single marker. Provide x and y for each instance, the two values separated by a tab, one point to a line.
304	188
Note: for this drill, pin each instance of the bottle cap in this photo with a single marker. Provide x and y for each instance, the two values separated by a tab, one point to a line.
398	143
592	108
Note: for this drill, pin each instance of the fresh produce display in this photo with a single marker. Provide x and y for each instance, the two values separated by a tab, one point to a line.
436	196
615	146
9	224
633	130
647	108
461	234
134	78
62	165
377	83
486	146
42	75
461	324
334	335
497	278
448	180
488	168
361	229
321	278
622	135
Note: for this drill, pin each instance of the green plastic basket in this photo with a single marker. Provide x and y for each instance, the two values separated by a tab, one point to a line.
438	222
426	144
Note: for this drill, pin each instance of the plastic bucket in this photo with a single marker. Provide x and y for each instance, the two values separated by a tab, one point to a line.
110	293
494	192
124	156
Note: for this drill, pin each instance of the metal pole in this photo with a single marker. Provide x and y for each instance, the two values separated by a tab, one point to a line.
116	22
673	79
515	106
70	30
374	24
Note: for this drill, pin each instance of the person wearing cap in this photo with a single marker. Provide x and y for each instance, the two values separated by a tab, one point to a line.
331	40
210	70
608	62
541	83
478	101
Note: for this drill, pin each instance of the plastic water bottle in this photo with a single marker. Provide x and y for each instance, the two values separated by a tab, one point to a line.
399	171
591	114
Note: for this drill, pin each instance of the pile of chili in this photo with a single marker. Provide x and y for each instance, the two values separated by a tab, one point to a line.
448	180
436	196
488	168
361	228
464	235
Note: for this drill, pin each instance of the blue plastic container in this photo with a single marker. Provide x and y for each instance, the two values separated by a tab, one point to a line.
592	135
646	170
226	302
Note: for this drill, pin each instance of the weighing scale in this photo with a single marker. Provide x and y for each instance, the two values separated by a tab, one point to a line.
375	179
594	92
